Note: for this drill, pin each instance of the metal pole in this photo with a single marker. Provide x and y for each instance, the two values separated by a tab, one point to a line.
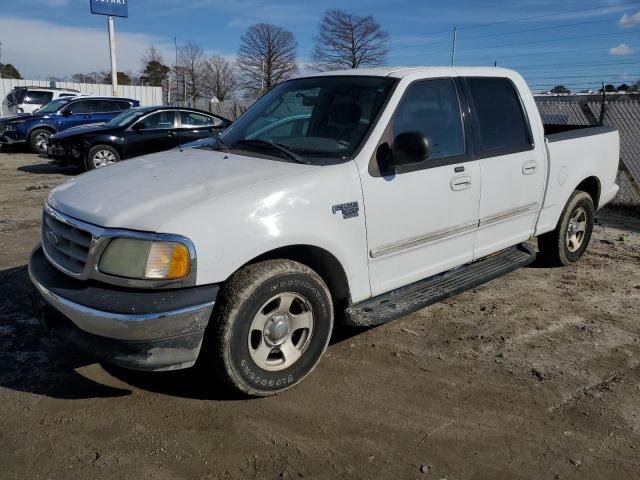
112	50
453	49
262	79
175	42
169	89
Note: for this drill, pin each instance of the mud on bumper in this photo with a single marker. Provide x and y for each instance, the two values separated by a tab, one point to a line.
132	328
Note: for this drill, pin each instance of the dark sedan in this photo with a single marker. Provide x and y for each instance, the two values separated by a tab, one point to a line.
138	131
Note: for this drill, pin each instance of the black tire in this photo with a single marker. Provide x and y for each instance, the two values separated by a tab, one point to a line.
555	247
38	139
232	336
105	152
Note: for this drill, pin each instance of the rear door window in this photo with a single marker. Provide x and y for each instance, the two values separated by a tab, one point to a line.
194	120
501	124
37	98
106	106
121	105
83	106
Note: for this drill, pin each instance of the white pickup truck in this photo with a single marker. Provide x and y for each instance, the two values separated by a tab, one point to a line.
357	196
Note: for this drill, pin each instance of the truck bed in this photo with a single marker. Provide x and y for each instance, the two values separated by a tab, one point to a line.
576	154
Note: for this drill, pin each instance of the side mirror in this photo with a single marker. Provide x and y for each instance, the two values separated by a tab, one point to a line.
66	112
139	126
410	148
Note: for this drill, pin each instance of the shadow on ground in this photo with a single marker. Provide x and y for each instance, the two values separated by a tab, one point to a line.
32	361
50	168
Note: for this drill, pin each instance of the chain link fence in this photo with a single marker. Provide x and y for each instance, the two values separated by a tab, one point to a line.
622	114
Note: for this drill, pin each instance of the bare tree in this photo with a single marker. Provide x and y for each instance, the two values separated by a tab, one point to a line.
219	76
152	54
191	59
349	41
266	57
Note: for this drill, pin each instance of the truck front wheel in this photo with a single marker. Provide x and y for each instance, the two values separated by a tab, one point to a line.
274	320
568	242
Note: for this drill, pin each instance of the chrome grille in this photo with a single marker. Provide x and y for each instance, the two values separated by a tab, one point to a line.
66	245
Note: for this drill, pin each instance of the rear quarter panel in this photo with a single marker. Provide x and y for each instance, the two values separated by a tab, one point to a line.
573	157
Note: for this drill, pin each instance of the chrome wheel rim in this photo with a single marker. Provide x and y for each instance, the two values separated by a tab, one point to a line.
576	230
281	331
103	157
41	141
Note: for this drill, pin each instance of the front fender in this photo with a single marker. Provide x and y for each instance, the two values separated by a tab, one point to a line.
234	229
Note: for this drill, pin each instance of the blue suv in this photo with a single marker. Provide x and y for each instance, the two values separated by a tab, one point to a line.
58	115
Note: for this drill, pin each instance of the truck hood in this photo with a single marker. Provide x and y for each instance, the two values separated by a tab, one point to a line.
143	193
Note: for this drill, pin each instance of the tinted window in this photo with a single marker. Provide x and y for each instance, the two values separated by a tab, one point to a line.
159	120
68	95
121	105
37	98
432	108
191	119
501	121
104	106
83	106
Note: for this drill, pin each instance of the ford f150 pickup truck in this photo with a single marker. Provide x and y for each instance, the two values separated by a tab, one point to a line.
357	196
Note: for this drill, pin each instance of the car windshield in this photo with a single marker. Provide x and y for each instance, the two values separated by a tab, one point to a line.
125	118
53	106
311	119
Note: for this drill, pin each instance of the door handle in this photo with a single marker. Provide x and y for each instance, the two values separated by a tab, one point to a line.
172	134
529	167
460	182
87	116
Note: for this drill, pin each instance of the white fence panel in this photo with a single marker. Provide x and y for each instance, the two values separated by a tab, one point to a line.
145	95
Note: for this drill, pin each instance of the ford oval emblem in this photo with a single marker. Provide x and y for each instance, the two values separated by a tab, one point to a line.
53	238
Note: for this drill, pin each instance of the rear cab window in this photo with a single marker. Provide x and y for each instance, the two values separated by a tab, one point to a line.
501	125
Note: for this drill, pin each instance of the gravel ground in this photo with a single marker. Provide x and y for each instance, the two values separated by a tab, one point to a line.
534	375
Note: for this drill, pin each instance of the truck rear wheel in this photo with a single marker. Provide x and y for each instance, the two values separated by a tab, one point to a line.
273	324
568	242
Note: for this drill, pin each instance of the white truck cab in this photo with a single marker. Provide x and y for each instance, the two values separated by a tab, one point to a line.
355	196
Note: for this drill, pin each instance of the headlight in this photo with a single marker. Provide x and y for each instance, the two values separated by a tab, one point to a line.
145	259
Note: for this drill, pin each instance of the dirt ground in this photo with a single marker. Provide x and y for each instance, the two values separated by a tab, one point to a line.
534	375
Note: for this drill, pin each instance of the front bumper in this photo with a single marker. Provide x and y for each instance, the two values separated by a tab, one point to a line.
133	328
10	138
56	151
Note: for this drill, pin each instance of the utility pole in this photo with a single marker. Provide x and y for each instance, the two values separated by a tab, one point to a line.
169	89
112	50
262	79
453	48
175	42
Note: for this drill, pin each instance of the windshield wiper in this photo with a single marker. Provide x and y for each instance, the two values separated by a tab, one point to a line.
221	145
273	146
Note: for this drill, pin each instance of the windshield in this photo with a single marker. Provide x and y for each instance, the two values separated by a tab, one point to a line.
312	118
125	118
53	106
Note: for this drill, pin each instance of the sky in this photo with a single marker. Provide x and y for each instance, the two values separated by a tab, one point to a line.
577	43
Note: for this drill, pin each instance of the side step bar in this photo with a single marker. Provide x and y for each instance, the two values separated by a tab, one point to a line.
409	299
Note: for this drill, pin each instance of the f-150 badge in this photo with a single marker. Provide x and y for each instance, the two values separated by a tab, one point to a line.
349	210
